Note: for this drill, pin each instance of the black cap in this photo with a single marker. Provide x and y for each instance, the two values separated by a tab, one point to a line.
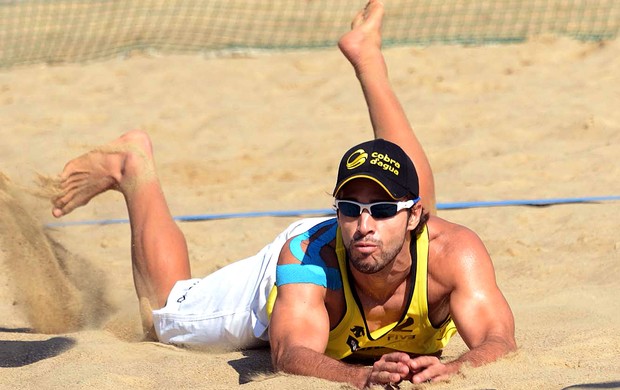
385	163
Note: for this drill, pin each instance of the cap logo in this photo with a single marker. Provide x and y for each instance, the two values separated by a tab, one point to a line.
356	159
385	162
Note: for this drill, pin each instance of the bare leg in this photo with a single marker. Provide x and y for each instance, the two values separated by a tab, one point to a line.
362	47
158	251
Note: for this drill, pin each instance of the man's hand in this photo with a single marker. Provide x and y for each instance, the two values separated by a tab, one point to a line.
430	369
398	366
391	368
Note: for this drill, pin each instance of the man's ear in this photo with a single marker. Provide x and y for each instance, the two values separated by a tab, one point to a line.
414	216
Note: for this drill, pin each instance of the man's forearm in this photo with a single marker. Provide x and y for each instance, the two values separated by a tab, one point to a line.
304	361
487	352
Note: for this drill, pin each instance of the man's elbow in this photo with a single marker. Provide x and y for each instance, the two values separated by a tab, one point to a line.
283	359
277	359
493	348
509	337
511	345
503	346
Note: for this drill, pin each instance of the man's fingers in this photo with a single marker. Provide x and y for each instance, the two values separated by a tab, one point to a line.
396	357
383	376
427	369
419	363
391	367
428	375
386	377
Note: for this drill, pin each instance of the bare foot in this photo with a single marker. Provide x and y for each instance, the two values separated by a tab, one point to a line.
116	166
362	44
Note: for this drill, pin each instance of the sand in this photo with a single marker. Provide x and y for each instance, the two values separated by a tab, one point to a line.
529	121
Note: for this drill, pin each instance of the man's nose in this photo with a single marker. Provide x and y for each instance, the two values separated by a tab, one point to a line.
365	222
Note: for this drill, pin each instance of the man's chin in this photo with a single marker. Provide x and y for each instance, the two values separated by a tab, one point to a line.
366	265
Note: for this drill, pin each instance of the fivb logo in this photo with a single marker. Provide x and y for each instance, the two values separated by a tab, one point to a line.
383	161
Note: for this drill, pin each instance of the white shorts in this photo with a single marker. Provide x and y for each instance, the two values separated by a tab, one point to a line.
226	309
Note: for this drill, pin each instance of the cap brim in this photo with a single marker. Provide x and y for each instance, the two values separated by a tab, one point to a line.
365	176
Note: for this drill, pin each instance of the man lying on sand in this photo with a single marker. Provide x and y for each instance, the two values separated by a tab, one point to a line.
386	279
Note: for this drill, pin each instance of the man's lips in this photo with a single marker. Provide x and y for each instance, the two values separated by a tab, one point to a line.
365	246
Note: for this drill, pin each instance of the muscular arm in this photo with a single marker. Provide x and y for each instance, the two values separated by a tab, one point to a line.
298	333
362	47
478	307
480	311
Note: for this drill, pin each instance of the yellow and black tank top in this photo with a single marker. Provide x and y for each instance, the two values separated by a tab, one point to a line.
413	333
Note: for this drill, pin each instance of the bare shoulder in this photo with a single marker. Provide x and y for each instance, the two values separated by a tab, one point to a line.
287	256
455	252
450	238
298	247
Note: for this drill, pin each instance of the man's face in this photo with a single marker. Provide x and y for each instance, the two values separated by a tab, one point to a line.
371	243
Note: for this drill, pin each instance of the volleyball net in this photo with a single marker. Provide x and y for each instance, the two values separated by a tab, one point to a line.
58	31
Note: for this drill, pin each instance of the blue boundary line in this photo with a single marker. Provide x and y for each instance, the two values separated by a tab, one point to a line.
326	212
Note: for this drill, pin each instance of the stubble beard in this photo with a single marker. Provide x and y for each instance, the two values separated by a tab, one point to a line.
368	264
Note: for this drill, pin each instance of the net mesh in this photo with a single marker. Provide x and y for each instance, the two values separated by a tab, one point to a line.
54	31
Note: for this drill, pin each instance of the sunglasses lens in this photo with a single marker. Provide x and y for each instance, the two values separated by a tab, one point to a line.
383	210
349	209
377	210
